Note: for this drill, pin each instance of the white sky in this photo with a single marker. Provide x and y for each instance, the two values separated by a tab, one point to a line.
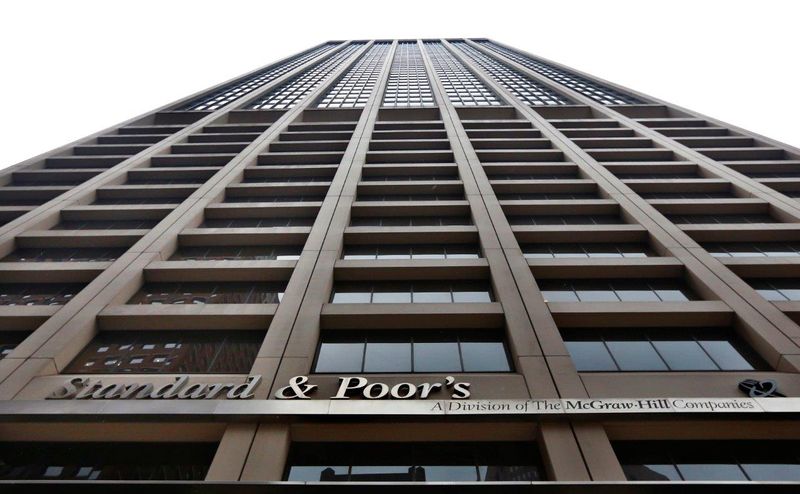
71	68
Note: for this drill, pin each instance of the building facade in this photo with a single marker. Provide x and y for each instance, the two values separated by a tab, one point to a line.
446	265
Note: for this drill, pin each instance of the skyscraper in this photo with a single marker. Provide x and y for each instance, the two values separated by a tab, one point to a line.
404	261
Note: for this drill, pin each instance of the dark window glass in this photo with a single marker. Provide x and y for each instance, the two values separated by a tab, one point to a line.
731	460
743	249
38	293
168	352
209	293
413	462
105	461
418	352
659	349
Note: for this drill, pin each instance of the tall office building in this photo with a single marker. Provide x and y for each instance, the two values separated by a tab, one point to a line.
410	262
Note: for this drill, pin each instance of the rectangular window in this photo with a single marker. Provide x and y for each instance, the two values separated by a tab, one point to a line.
722	219
238	253
209	293
659	350
429	351
147	461
585	251
106	225
419	292
777	290
629	290
752	249
38	293
64	255
567	219
414	462
734	460
256	222
168	352
404	252
402	221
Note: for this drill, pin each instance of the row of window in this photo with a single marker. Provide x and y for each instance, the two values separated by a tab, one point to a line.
400	252
415	351
623	290
222	97
408	85
209	293
659	350
353	89
460	85
569	219
411	292
461	461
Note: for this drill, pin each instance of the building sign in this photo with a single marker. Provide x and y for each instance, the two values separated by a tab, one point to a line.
82	388
299	388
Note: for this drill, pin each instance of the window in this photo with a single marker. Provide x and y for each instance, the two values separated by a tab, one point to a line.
414	462
408	84
293	179
659	349
748	249
742	460
290	198
353	89
209	293
290	93
64	255
627	290
584	251
526	89
408	178
106	225
702	219
168	352
401	252
227	94
777	290
411	197
410	221
461	85
538	196
587	87
567	219
148	461
238	253
400	351
419	292
687	195
256	222
38	293
137	200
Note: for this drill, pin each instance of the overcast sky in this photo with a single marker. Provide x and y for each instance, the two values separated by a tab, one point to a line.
71	68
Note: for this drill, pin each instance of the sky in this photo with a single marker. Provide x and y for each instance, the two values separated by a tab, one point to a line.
70	69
